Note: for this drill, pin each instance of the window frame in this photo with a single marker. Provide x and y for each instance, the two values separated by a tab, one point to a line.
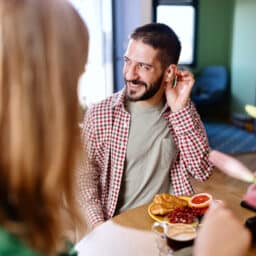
193	3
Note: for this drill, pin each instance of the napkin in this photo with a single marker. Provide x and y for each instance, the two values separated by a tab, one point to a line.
111	239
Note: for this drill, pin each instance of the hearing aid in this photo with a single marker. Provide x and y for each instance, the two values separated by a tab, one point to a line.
174	82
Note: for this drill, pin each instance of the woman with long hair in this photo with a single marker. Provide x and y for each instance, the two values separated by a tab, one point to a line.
43	51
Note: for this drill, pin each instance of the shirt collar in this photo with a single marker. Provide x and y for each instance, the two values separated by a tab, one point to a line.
119	99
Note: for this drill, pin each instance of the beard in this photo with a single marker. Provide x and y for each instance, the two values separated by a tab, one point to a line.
150	89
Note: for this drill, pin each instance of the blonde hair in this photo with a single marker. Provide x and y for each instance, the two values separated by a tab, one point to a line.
43	50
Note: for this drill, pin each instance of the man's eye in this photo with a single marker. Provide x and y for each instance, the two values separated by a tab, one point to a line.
144	66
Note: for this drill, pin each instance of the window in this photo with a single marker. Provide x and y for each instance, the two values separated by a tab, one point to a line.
181	16
96	83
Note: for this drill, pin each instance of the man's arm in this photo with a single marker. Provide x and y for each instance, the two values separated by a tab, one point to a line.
188	128
88	176
192	142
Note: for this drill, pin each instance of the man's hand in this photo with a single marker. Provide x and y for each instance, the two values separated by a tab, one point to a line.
221	234
178	96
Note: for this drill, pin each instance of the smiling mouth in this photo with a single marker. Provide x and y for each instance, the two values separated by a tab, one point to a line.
135	85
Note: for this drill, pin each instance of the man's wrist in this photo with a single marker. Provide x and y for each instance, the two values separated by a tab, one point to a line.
180	107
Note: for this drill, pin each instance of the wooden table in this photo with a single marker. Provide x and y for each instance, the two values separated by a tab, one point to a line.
219	185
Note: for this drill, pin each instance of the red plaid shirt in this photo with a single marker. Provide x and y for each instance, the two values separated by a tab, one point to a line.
105	134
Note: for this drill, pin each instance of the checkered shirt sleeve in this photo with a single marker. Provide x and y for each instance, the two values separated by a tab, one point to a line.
192	160
88	176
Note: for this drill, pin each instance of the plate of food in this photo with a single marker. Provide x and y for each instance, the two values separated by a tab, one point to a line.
179	209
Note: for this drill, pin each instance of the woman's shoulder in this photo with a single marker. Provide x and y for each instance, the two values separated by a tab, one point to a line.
11	245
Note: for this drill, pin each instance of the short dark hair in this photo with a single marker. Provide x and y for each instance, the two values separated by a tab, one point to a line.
162	37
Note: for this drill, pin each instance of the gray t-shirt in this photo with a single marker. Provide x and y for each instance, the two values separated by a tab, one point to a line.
150	152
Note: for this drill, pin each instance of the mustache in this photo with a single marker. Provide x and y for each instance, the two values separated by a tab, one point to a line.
136	82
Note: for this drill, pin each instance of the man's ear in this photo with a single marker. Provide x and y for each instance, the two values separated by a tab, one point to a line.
170	73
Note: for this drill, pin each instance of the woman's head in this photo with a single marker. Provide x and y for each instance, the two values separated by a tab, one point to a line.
43	51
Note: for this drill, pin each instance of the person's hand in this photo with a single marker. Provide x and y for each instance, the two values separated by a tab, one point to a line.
230	166
221	234
178	97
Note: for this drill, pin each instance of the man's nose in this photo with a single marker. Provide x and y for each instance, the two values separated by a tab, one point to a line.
131	72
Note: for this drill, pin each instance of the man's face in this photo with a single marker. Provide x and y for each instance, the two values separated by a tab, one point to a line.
142	71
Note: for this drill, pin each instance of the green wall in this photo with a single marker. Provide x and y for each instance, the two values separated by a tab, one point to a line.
214	33
243	68
227	36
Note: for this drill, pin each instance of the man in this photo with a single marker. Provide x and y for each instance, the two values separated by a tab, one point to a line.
147	138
